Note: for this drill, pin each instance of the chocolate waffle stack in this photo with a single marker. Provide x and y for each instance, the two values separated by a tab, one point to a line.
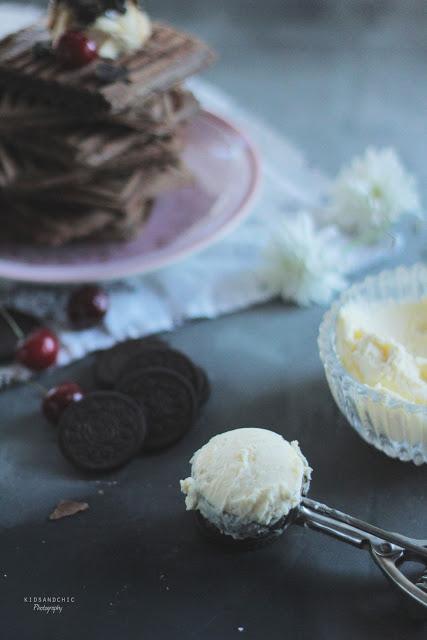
85	151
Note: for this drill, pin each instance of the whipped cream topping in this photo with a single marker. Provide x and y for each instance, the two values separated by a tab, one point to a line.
115	33
384	345
246	476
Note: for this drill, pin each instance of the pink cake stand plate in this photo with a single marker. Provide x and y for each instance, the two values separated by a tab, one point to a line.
226	169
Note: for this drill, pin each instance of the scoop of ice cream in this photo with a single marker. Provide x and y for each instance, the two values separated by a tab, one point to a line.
246	476
117	28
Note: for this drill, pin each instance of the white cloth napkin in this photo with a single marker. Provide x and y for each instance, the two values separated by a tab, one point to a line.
221	279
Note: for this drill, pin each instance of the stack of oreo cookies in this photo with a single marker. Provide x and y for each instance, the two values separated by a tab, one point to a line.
150	397
85	152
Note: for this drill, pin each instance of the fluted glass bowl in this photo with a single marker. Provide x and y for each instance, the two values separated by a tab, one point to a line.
394	426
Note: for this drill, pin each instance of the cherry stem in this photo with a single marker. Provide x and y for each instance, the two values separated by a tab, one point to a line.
12	323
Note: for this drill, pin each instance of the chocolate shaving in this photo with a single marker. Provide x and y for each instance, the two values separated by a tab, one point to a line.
42	49
67	508
87	11
108	73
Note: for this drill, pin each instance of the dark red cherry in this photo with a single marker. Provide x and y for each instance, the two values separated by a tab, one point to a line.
87	306
39	350
74	49
58	398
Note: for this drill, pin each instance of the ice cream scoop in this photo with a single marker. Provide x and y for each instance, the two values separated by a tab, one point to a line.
246	482
248	485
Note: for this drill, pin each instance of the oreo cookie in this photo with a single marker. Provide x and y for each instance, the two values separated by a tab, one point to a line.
8	339
111	362
168	401
170	359
102	432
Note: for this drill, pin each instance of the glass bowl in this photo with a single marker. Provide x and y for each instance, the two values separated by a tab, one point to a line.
396	427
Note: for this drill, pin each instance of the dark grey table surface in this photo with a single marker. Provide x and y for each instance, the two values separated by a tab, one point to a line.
333	77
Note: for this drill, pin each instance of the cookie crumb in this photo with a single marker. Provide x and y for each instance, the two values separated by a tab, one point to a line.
67	508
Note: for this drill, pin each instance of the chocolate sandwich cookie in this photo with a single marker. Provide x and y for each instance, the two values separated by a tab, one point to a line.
111	362
170	359
8	339
102	432
168	401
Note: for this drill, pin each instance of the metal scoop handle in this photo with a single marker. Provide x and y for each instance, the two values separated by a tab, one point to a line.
388	549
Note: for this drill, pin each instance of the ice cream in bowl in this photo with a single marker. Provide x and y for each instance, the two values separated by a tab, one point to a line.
373	344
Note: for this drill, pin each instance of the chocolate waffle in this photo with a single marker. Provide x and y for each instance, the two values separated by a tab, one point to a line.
85	152
64	183
168	58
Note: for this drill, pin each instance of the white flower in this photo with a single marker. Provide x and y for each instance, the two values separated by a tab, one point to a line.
371	193
302	264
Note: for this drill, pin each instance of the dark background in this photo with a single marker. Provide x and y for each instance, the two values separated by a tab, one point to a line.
333	77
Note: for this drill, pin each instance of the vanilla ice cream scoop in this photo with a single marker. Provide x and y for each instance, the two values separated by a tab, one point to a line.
246	480
248	485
